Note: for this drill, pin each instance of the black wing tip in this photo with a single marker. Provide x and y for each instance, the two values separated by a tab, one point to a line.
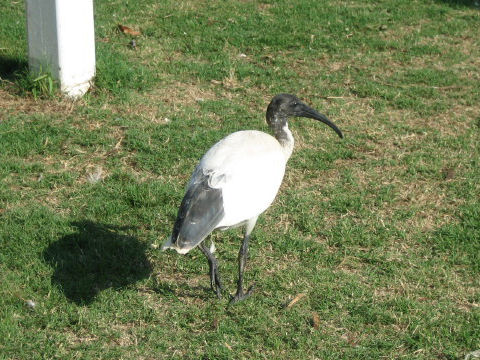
199	214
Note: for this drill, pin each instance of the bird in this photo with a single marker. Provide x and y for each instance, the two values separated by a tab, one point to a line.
234	182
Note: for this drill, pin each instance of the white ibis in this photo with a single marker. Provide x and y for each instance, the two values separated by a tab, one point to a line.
234	182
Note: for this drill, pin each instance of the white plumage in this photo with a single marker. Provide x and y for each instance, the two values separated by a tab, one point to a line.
248	166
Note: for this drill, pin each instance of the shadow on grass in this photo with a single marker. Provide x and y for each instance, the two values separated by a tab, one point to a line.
10	67
457	3
96	258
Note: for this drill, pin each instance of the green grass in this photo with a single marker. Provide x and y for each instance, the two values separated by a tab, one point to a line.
379	231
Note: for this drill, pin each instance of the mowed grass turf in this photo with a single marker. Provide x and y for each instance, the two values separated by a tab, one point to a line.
371	249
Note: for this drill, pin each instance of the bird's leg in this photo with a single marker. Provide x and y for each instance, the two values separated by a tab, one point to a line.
242	261
215	282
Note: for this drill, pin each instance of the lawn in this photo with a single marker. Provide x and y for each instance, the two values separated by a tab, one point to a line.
371	249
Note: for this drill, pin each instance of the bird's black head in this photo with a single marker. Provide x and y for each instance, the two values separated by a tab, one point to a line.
284	106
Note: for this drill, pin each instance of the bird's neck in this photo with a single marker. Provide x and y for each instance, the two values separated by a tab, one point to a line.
285	138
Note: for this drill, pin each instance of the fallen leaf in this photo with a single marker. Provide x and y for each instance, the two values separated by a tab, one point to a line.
129	31
295	300
228	347
315	320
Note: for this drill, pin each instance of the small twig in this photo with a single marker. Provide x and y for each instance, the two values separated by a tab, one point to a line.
295	300
447	87
117	145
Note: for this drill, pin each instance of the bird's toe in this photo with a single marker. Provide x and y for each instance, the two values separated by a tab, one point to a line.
240	295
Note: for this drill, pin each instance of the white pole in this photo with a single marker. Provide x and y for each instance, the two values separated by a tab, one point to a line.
61	41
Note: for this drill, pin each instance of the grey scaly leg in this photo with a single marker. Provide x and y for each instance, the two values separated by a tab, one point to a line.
242	261
215	282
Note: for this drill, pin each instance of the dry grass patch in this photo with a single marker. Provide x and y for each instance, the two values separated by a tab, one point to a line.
174	96
125	334
456	121
80	336
14	104
181	94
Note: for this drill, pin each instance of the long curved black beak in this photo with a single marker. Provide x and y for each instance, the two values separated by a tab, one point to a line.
308	112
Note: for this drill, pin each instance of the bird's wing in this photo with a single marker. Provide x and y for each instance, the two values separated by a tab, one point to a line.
200	212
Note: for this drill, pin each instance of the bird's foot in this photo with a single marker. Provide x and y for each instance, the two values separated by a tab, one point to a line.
240	295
